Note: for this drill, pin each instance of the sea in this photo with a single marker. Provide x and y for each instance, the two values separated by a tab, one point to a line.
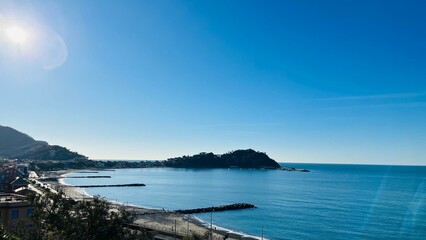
332	201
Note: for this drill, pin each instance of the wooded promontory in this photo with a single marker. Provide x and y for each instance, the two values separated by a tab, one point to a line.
236	159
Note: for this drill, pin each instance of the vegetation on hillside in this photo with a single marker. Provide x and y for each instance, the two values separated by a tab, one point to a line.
18	145
90	164
48	152
239	158
13	141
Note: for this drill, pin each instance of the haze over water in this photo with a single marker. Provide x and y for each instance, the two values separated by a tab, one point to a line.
331	202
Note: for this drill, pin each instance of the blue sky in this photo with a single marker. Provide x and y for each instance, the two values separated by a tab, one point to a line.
304	81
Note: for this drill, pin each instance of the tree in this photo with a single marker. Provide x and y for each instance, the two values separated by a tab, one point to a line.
4	234
56	217
194	236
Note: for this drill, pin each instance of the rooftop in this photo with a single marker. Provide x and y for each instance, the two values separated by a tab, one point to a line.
11	198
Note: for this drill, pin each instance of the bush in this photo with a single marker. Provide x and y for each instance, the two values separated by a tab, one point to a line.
55	217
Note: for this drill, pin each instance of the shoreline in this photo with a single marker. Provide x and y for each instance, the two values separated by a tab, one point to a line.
153	218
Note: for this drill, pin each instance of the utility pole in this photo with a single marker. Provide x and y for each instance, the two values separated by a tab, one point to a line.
175	229
187	228
211	225
262	232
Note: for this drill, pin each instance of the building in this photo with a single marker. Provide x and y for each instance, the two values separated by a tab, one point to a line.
7	176
24	191
14	209
22	170
18	183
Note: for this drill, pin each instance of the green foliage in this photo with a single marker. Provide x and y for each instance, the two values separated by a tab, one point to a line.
60	165
49	152
239	158
85	164
14	144
5	235
55	217
194	236
11	140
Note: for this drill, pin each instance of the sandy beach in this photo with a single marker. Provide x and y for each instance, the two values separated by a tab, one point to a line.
156	219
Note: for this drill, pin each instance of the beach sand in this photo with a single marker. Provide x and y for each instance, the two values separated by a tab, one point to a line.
156	219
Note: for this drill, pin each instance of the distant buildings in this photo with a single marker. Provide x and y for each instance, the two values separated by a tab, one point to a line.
7	176
18	183
12	176
22	170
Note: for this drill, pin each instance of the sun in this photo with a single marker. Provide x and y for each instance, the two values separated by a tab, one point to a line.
16	34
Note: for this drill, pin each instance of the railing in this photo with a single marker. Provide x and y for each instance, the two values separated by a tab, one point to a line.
170	231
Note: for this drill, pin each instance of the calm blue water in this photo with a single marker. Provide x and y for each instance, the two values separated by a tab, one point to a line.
331	202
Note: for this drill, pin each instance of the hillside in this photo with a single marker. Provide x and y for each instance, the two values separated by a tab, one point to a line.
13	141
239	158
15	144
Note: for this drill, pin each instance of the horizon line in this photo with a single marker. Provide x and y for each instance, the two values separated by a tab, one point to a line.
324	163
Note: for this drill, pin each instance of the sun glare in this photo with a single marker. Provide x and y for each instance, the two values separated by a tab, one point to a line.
16	34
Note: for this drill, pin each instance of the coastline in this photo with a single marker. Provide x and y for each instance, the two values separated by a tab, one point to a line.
157	219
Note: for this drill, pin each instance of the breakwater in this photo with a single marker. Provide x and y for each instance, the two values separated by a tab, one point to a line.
112	185
235	206
89	177
292	169
292	196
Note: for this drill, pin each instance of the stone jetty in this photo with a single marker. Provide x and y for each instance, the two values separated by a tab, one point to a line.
235	206
88	177
112	185
292	169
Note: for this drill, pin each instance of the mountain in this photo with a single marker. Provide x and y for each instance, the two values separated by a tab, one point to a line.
240	158
15	144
